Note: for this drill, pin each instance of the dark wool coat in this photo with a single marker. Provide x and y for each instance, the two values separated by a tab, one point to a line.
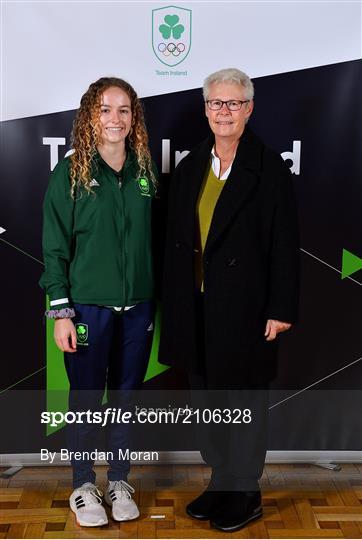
250	266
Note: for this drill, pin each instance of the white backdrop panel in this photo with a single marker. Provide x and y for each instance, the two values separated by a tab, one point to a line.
51	51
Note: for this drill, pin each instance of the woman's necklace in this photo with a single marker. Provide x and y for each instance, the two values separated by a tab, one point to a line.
119	163
225	164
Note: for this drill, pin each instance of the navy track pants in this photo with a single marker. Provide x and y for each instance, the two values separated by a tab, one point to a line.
112	353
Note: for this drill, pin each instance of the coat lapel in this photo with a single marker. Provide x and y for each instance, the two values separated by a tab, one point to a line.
241	183
192	179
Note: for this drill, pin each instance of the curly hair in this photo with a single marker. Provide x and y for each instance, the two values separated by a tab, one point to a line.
86	133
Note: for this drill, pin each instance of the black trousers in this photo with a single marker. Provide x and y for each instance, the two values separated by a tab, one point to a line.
231	431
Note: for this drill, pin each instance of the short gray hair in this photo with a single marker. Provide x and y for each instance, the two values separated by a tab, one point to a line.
230	75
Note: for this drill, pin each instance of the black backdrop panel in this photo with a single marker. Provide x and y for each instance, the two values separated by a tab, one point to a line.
321	108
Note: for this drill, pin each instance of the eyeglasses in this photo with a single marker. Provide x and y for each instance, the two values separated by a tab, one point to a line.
232	104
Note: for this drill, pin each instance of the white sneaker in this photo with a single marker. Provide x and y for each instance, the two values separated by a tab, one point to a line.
119	497
86	503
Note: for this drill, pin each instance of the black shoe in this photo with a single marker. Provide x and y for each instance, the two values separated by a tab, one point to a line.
205	505
239	508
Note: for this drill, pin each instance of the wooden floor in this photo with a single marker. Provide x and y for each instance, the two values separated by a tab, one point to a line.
300	501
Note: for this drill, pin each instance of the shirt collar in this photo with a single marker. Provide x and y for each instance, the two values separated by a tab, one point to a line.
216	165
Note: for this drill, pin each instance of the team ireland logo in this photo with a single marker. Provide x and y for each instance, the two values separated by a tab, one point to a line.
171	34
82	333
144	186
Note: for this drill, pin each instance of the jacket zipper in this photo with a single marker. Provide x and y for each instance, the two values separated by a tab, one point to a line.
123	243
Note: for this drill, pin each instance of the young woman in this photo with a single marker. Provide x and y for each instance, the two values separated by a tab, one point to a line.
98	276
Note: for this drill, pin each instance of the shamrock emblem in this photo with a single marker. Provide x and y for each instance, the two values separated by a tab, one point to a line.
144	186
82	333
81	330
171	27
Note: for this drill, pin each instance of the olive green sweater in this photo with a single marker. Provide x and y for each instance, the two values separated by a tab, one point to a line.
208	197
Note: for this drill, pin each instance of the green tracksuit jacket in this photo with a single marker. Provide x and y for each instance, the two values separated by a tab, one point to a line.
97	247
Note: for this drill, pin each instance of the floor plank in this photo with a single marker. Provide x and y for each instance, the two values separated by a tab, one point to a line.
299	501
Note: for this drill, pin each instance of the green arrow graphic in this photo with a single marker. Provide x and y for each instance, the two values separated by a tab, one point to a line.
57	381
154	367
350	263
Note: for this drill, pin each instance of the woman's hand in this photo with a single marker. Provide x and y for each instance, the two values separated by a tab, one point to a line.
65	335
274	327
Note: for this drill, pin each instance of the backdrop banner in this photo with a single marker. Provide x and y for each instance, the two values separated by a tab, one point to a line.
316	129
309	112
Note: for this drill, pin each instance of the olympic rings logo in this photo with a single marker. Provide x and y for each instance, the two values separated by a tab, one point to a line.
171	48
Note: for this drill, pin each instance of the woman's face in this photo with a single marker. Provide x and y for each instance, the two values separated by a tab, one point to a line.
224	123
116	116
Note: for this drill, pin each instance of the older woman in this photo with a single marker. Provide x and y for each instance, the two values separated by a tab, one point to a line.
98	275
230	287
